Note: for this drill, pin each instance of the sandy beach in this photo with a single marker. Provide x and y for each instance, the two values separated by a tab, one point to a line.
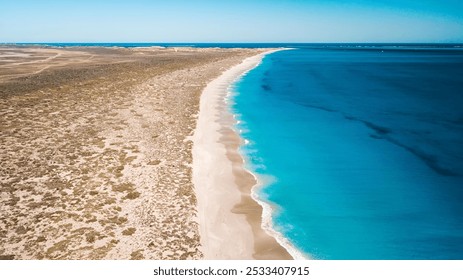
230	219
96	157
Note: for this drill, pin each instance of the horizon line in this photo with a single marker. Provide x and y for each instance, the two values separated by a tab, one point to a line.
146	42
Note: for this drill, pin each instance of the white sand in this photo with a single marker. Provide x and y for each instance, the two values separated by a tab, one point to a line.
224	235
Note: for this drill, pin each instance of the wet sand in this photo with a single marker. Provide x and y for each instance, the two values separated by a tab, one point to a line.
95	151
230	219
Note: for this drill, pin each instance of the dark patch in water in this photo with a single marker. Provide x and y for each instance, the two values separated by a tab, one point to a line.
379	129
319	108
350	118
266	87
382	132
431	160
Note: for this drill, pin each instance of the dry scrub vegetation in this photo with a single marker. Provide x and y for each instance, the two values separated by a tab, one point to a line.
95	151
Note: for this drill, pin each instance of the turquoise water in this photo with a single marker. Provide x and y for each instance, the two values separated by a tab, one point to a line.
364	147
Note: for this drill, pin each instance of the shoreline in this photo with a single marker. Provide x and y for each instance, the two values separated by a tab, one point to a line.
233	228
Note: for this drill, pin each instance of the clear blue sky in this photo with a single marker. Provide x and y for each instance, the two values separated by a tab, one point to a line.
231	21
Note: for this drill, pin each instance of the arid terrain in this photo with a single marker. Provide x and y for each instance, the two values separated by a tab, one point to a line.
95	150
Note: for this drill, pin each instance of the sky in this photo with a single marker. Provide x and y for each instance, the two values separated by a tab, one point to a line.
220	21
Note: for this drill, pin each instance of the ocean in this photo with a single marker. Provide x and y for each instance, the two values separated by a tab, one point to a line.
238	45
359	148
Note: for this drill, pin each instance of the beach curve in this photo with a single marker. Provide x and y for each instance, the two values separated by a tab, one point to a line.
230	218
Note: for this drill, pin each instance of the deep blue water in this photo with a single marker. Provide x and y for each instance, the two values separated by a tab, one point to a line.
245	45
365	148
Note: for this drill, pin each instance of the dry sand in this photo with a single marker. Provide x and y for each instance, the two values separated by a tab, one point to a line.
96	153
230	220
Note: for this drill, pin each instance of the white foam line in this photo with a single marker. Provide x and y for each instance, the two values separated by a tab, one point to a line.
267	225
267	222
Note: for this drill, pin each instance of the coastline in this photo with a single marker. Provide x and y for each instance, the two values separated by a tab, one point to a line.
233	226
